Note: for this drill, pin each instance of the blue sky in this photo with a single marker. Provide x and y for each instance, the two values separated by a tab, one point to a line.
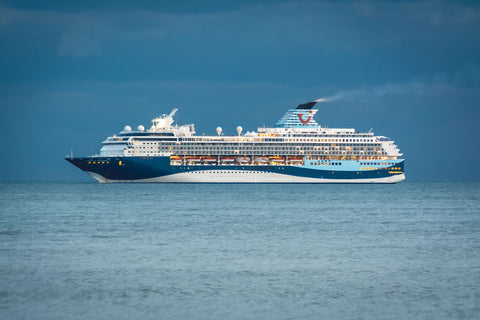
72	73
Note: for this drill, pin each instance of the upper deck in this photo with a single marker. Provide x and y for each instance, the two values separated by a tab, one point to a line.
296	133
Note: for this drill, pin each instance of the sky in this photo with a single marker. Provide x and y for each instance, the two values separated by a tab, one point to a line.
74	72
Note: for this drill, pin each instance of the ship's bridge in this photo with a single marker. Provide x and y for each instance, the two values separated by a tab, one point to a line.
164	123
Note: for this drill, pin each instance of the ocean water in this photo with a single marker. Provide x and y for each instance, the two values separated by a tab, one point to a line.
206	251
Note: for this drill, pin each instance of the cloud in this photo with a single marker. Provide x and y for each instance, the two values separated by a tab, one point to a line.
340	26
5	16
78	45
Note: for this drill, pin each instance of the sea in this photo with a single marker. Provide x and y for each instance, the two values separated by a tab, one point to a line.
239	251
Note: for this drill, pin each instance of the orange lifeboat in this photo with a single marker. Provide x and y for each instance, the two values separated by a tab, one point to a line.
276	159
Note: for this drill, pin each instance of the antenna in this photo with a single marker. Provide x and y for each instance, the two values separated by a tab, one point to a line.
173	112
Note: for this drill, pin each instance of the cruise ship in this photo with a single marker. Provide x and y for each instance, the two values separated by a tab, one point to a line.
296	150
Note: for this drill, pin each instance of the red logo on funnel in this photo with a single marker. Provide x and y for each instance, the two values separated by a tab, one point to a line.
304	121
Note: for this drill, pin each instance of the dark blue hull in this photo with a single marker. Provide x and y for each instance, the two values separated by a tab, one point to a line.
125	169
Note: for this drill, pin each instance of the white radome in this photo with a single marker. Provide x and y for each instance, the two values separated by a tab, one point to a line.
219	130
239	130
141	128
127	129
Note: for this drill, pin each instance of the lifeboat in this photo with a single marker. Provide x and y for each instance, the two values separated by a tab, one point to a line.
227	160
209	159
261	159
242	159
296	159
175	158
276	159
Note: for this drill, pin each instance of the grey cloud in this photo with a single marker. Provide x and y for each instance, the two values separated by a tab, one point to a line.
326	25
82	39
78	45
6	16
353	26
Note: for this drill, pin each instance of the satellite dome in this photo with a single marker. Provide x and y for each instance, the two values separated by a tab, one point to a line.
141	128
239	130
219	130
127	129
